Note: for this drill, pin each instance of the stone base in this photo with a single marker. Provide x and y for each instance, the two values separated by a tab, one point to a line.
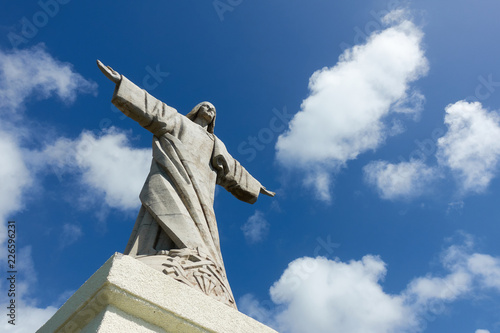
125	295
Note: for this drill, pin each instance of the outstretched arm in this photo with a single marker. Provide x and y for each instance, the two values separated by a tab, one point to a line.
234	177
136	103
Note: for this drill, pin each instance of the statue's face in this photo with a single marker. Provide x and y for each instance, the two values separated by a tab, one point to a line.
207	112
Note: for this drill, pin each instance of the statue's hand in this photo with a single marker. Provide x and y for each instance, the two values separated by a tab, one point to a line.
266	192
109	72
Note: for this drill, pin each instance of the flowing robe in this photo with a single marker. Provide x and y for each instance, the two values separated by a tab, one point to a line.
177	197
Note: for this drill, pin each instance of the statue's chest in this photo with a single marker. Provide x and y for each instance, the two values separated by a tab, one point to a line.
200	144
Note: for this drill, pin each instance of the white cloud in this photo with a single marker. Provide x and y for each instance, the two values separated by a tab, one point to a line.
399	181
27	74
112	167
255	228
108	166
487	268
482	331
471	147
346	111
33	318
423	290
29	316
321	295
15	179
319	180
34	73
260	311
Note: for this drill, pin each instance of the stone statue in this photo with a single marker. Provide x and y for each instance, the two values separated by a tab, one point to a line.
176	231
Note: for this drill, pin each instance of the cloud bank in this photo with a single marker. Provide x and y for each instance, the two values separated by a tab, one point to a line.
322	295
27	74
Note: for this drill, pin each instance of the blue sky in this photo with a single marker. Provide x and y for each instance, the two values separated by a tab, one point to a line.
375	122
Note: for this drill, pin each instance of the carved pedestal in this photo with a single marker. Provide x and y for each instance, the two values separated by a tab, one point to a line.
125	295
195	269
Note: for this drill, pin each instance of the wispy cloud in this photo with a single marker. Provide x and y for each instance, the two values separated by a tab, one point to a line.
69	235
346	112
34	74
256	227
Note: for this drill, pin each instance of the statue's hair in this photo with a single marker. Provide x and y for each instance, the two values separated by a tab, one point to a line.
194	113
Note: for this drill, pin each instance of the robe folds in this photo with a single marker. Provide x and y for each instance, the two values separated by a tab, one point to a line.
178	194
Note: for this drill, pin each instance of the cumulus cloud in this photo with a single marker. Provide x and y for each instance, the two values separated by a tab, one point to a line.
34	73
256	227
107	165
111	166
403	180
346	112
482	331
322	295
471	146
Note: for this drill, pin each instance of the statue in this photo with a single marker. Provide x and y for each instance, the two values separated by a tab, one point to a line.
176	231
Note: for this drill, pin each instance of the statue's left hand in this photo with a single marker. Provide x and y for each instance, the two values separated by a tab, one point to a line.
109	72
263	190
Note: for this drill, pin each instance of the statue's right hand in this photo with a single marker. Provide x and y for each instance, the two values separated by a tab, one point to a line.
109	72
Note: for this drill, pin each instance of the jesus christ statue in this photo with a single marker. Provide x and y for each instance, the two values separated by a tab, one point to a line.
176	231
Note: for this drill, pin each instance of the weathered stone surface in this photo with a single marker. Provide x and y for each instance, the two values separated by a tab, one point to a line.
178	195
127	296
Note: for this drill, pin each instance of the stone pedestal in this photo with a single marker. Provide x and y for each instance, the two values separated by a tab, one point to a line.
125	295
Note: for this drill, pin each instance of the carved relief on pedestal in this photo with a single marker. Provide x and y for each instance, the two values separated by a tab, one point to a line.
198	270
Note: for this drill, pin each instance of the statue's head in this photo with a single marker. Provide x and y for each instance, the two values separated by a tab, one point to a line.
205	110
